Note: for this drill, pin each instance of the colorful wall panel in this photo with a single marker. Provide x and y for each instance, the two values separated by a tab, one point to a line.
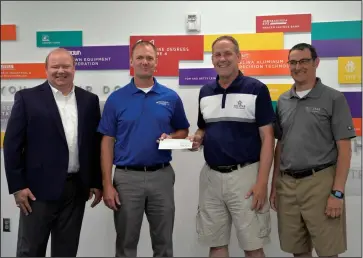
2	134
354	100
8	32
59	38
284	23
350	70
101	57
23	71
196	76
336	39
357	123
251	41
276	90
264	62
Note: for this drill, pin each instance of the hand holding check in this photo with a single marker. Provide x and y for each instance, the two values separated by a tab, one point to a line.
175	144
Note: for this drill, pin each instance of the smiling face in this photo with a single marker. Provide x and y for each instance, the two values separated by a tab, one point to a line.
144	61
225	58
302	66
60	69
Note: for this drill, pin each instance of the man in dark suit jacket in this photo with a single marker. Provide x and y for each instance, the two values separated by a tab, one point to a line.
52	159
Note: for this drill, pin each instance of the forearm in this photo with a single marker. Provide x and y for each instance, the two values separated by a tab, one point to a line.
200	133
107	149
266	157
276	169
180	134
342	170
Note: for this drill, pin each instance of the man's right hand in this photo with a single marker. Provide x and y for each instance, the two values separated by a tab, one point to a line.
110	197
21	200
273	202
197	141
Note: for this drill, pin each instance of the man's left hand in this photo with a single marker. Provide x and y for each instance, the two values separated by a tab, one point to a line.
334	207
164	136
98	196
259	193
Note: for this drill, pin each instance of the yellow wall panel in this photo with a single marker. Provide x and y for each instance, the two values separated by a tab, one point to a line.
250	41
2	139
277	89
350	70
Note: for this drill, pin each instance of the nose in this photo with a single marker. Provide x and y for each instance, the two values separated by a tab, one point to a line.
144	62
297	66
222	58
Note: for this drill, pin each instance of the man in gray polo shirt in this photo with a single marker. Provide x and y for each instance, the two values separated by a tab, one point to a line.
312	159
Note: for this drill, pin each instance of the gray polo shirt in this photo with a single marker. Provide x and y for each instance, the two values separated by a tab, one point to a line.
308	128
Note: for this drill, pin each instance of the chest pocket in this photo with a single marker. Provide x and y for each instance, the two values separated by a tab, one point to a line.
240	107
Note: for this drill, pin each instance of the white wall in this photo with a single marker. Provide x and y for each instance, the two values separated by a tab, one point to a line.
111	23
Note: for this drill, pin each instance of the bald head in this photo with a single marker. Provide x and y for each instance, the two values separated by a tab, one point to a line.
59	51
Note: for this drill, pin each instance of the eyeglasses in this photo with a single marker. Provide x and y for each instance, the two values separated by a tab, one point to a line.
303	61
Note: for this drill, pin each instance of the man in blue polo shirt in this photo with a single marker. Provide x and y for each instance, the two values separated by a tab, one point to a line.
134	119
235	127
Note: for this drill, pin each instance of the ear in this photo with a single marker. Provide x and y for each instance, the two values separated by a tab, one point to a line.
317	62
239	57
131	63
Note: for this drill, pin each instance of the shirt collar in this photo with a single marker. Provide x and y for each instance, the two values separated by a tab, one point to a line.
56	91
155	88
233	84
315	92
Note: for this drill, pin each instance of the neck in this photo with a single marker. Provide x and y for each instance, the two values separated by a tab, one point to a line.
64	89
305	85
227	80
143	82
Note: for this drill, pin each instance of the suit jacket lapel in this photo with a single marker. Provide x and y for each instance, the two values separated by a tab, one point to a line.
53	108
81	113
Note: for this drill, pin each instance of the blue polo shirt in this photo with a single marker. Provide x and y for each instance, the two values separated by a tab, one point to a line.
231	119
137	119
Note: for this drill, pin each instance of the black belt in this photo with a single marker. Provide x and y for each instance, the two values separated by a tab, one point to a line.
145	168
305	172
230	168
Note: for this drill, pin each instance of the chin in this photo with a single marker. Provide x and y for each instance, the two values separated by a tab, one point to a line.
225	74
144	76
300	80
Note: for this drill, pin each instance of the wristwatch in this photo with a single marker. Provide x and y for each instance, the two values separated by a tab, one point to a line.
337	194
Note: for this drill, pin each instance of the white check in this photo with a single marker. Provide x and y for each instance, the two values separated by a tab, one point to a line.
175	144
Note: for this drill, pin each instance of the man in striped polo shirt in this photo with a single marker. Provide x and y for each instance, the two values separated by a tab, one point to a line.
235	127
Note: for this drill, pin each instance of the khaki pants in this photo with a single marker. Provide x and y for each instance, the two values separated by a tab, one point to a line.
302	223
222	202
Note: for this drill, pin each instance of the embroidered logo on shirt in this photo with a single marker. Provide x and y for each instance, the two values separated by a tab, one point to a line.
162	102
314	109
240	105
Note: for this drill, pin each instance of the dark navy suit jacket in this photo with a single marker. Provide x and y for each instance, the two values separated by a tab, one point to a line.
35	147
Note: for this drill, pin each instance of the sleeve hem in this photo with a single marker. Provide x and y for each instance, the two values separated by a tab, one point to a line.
345	137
